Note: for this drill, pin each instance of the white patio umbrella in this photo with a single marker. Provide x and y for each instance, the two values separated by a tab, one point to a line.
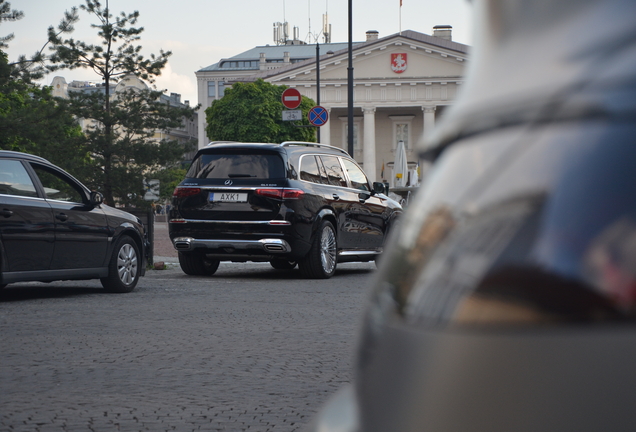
400	167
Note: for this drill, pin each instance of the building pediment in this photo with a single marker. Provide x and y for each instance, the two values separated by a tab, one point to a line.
392	58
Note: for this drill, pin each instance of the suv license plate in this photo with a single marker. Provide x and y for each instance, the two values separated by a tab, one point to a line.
228	197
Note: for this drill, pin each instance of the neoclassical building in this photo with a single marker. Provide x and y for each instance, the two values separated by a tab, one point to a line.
402	82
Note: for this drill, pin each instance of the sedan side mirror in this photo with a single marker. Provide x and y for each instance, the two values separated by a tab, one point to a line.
96	198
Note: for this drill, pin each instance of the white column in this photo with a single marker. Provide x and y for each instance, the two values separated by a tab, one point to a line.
368	157
202	85
325	130
429	122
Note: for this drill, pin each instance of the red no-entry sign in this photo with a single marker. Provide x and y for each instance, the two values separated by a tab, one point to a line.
291	98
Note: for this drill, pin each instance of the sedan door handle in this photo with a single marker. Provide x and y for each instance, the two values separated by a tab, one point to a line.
6	213
61	217
336	196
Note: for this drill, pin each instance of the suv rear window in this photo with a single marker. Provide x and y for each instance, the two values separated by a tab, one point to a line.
237	165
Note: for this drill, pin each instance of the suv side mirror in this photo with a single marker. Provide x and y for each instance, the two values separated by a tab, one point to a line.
96	198
382	188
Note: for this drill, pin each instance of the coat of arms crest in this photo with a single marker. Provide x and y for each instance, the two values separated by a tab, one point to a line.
398	62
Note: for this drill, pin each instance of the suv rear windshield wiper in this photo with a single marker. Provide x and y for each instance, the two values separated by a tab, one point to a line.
241	175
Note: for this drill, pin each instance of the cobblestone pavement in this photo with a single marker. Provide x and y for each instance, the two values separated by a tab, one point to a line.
163	249
249	349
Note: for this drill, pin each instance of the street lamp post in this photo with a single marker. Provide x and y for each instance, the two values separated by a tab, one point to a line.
350	85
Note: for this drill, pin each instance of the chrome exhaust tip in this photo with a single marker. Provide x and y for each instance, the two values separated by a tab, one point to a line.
182	244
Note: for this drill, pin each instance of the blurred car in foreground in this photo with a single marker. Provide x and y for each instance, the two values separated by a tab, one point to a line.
507	300
53	228
292	203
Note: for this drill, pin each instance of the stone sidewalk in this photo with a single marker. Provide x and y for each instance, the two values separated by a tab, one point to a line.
163	249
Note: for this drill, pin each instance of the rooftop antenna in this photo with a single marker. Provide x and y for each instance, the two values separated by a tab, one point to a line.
310	35
281	30
325	32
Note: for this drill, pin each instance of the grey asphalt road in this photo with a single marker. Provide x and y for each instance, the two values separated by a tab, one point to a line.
249	349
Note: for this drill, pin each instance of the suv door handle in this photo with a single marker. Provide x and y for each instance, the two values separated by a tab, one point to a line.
6	213
61	217
336	196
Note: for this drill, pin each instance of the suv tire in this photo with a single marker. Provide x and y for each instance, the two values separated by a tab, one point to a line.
282	264
197	264
320	262
123	268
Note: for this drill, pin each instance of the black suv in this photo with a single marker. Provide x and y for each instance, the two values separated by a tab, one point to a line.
53	228
291	203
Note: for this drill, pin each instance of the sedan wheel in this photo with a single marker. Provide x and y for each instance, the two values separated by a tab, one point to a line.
123	269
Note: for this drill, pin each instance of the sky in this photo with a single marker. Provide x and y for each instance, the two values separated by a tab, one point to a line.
201	32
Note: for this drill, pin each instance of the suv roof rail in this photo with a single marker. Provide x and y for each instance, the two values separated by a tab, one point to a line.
211	143
310	144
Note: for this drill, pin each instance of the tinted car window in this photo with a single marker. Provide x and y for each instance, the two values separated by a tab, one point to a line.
309	170
335	175
57	187
357	177
223	166
14	179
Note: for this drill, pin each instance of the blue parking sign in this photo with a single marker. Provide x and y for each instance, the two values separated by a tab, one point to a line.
318	116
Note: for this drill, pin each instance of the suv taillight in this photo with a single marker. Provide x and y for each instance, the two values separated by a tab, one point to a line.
292	193
280	193
181	192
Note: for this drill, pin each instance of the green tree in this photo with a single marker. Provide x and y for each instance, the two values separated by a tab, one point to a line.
251	112
168	181
32	68
31	119
121	127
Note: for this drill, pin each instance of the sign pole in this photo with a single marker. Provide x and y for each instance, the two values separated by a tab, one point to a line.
317	83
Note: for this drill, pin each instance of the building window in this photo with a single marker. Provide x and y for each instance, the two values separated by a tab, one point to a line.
402	131
211	88
357	138
356	135
221	89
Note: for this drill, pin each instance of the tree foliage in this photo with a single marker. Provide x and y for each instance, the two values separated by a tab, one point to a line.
130	152
169	179
252	112
121	127
31	119
30	69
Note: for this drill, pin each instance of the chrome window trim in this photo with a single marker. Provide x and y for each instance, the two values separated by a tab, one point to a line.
65	202
344	170
23	196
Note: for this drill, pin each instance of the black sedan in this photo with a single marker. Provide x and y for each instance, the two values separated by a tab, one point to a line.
53	228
